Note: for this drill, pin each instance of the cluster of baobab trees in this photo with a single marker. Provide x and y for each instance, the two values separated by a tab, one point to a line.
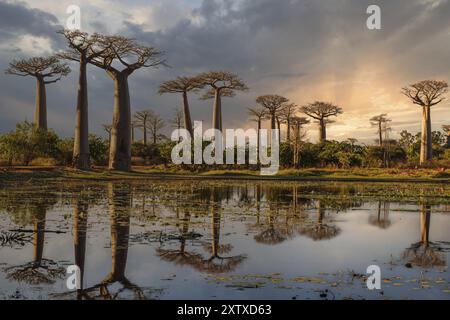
120	57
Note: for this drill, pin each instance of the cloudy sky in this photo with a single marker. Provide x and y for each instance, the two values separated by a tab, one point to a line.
306	50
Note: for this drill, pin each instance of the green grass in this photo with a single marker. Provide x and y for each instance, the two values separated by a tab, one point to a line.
101	174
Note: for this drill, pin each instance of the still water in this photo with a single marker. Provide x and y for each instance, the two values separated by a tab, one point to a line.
192	239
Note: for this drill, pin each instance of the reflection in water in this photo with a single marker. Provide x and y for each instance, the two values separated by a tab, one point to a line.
40	270
381	220
119	204
320	230
189	231
425	254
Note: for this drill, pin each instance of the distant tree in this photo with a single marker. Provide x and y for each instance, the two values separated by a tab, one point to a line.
274	104
446	129
142	120
156	123
45	70
131	56
221	84
107	128
257	114
297	124
379	122
182	85
352	141
426	94
177	119
321	111
286	114
82	50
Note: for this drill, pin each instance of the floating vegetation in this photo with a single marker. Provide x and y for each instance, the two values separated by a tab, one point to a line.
14	239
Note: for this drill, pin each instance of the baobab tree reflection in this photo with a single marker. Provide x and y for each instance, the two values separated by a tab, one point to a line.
320	230
40	270
425	254
381	220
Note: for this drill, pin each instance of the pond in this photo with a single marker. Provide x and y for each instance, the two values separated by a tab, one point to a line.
223	239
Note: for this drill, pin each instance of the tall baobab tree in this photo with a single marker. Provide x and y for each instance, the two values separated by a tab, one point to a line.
131	56
379	122
182	85
273	104
81	50
426	94
446	129
45	70
258	115
156	123
297	124
286	115
222	84
321	111
142	120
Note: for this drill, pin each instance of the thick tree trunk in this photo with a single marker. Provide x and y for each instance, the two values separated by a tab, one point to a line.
120	147
217	111
39	235
322	131
40	115
187	115
81	157
429	135
425	144
132	133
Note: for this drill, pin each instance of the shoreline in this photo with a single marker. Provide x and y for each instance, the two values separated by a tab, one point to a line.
140	173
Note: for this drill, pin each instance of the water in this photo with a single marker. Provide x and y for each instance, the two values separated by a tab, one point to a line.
192	239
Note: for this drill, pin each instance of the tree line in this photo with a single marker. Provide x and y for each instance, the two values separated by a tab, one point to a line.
120	57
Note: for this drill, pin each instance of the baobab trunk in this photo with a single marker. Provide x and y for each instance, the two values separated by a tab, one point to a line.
425	144
187	115
322	131
120	147
81	157
40	115
288	133
145	134
79	237
425	224
217	112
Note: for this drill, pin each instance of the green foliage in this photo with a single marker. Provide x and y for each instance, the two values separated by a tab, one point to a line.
98	149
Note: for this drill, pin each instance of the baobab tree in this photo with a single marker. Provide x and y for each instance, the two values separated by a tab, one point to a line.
46	70
273	104
156	123
222	84
446	129
379	122
297	124
82	50
177	119
142	121
258	115
321	111
286	115
182	85
131	56
426	94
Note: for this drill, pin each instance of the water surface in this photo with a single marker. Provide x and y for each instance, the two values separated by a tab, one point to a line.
179	239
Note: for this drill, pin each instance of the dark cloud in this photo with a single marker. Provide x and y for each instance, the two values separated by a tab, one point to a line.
290	47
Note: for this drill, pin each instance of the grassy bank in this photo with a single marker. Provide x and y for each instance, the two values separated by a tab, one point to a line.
357	174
